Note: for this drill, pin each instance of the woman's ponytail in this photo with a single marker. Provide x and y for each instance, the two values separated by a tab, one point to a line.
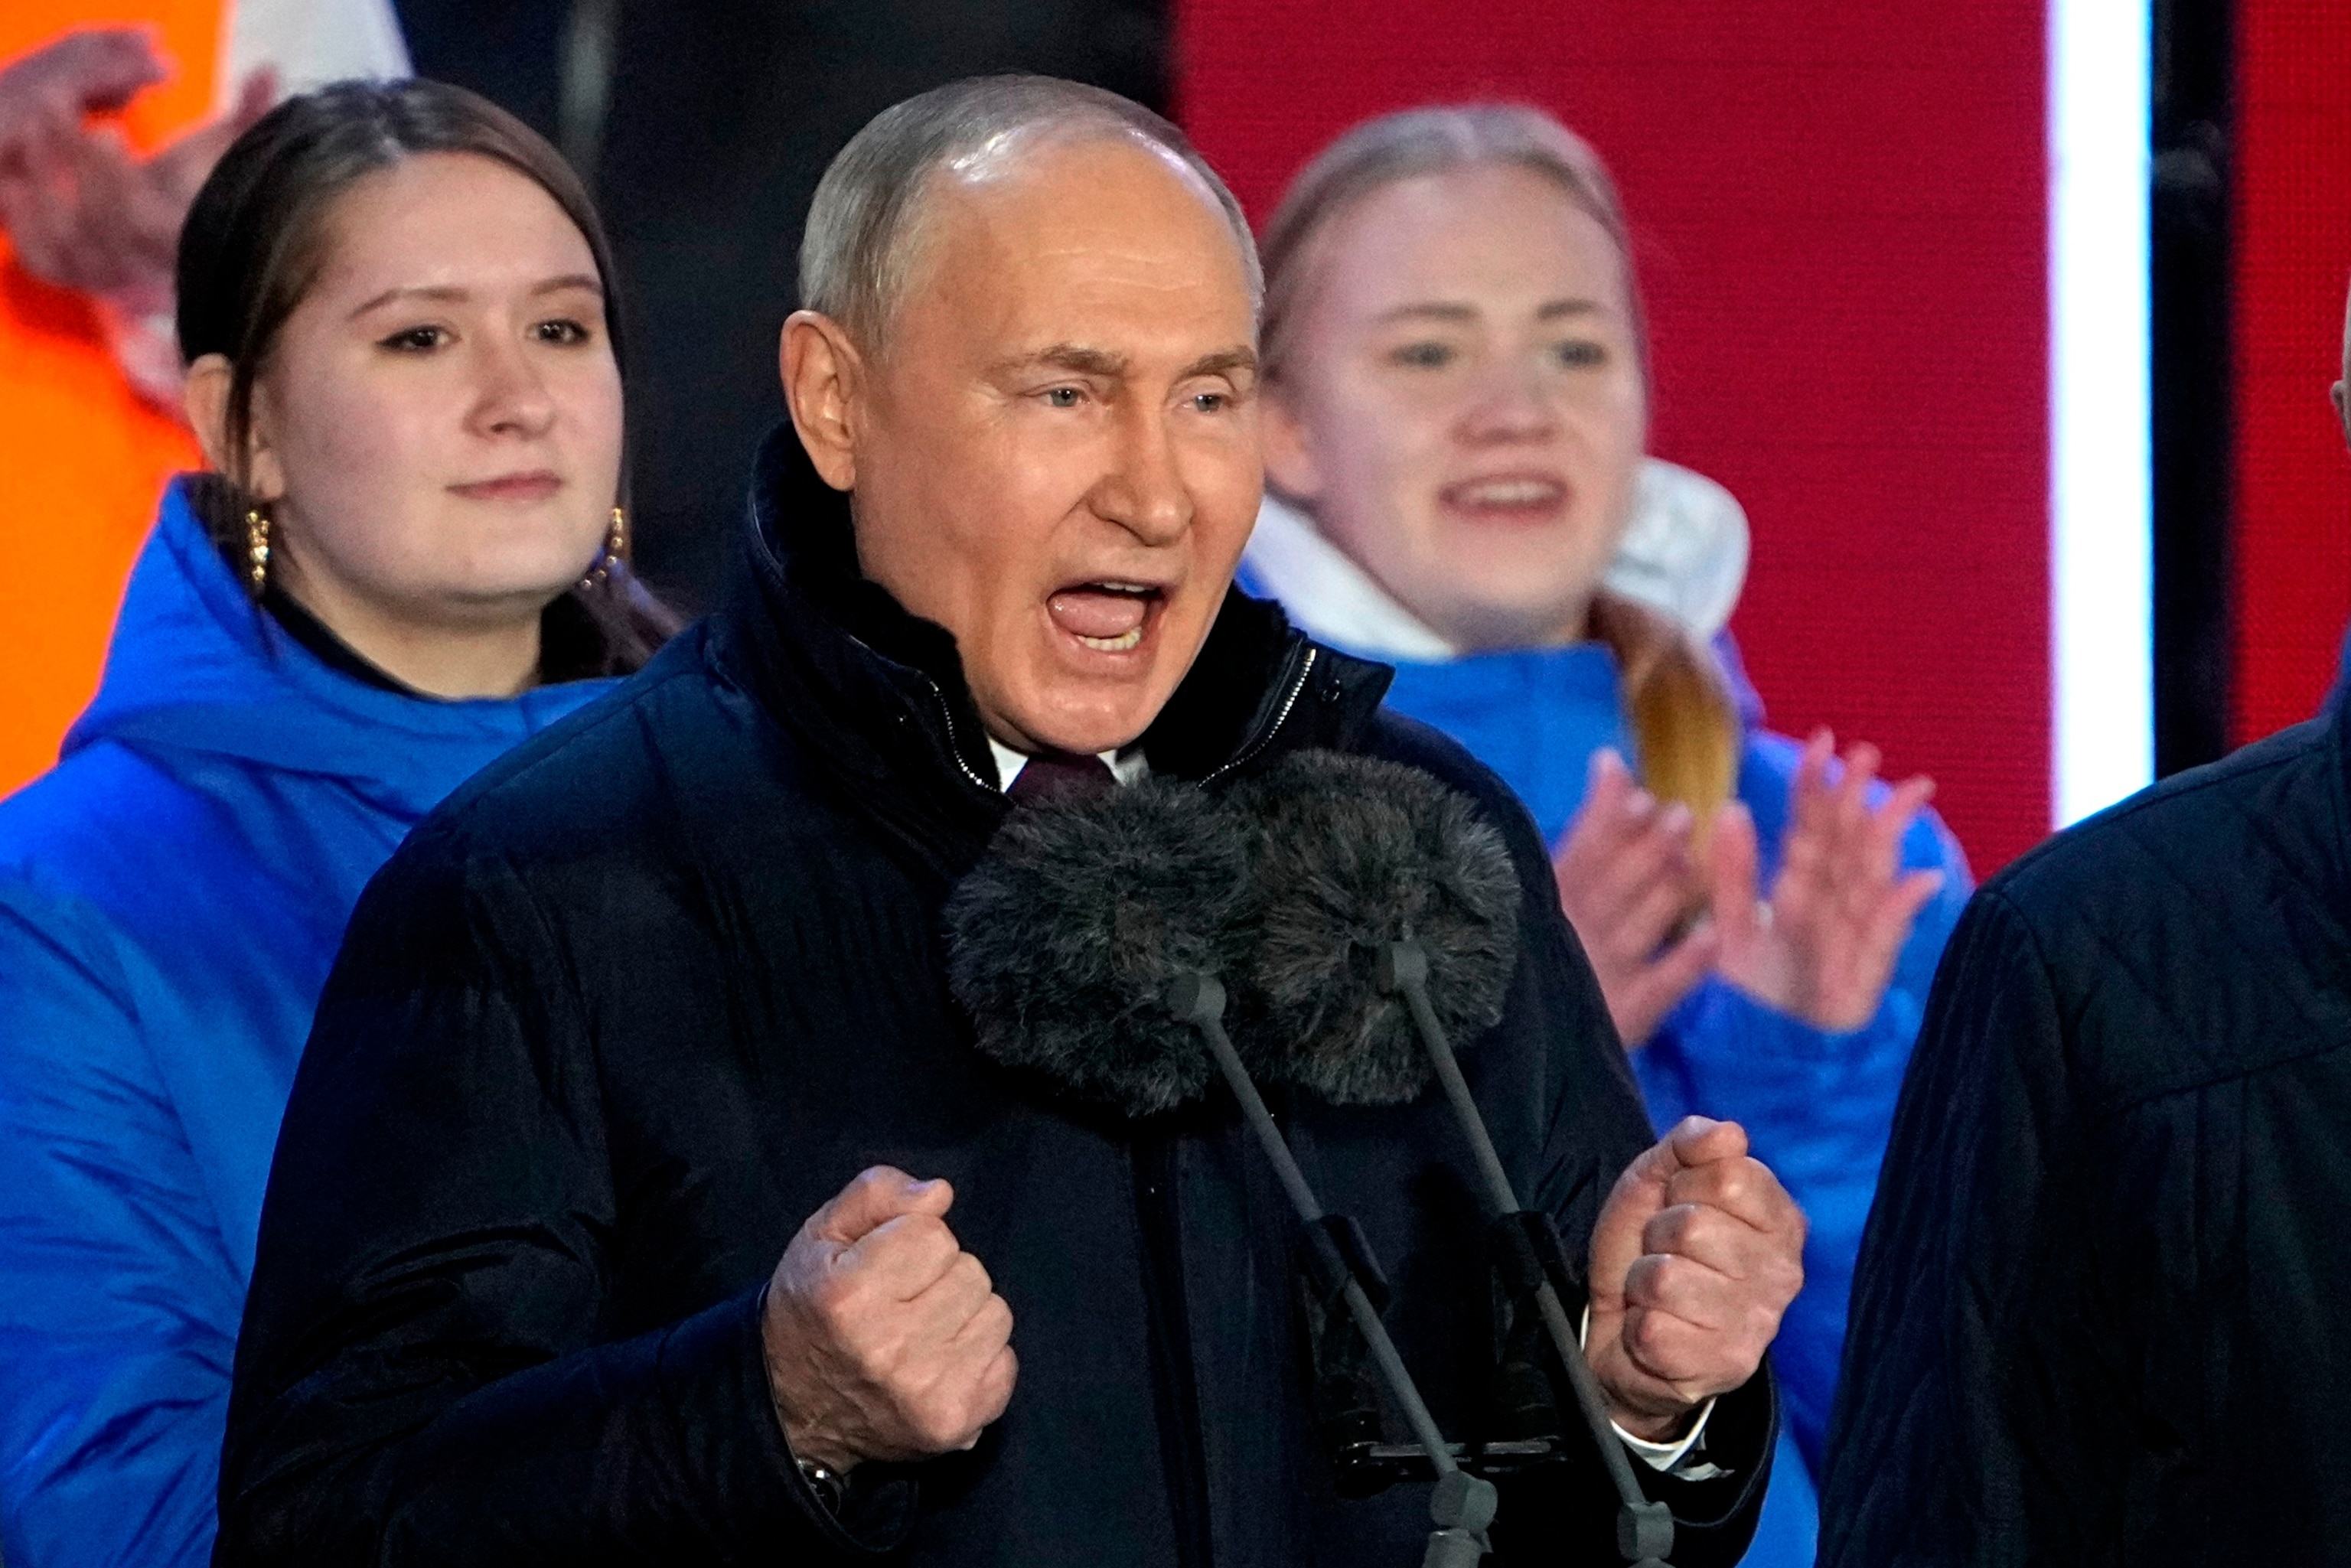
1685	722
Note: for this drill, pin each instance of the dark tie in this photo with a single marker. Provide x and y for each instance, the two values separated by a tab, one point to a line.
1052	777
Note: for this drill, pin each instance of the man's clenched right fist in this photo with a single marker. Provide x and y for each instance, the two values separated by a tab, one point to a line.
885	1338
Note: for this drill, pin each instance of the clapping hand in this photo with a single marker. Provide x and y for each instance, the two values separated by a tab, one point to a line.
78	209
1627	880
1823	947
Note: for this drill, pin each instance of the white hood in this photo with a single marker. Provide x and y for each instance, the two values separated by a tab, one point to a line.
1685	553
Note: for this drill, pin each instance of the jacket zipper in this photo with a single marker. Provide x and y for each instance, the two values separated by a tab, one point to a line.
1167	1319
1281	717
955	745
946	718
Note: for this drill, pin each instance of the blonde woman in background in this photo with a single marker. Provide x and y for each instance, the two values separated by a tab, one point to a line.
1456	424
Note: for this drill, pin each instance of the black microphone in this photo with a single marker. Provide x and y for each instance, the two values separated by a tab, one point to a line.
1391	916
1063	940
1353	852
1086	947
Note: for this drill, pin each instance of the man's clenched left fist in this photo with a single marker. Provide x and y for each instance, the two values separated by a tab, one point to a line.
1696	1254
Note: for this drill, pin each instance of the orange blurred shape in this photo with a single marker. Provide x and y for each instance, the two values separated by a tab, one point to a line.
82	457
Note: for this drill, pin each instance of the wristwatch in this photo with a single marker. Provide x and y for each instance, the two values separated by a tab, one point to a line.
828	1484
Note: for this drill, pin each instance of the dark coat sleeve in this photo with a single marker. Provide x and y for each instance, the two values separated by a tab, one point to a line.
1973	1375
424	1374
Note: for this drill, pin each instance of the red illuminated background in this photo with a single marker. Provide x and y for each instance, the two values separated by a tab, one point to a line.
1841	211
1840	221
1840	214
2292	232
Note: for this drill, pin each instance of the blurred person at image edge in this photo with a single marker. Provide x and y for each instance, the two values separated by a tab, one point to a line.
2099	1314
110	114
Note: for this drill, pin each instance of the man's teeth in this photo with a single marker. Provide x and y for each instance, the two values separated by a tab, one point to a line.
1118	645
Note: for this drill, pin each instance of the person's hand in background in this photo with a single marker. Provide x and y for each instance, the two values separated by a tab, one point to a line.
1824	946
1821	948
83	212
1627	880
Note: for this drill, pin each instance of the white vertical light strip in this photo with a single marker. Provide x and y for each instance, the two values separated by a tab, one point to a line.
2101	488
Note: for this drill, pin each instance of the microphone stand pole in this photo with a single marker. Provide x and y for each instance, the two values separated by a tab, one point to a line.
1645	1529
1463	1504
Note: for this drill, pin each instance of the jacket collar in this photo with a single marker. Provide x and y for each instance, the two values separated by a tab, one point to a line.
878	697
196	668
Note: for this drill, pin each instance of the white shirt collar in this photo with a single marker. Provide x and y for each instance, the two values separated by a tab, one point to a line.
1126	764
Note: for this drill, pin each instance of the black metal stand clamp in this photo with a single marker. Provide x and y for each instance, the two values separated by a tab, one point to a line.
1645	1529
1462	1505
1344	1392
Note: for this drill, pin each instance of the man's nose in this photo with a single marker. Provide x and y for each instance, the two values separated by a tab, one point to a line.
1144	492
511	396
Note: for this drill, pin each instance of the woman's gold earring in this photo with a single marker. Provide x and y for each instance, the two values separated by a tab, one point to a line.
257	549
616	541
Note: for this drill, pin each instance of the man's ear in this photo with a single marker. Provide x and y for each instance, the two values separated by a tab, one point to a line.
1290	464
204	397
823	375
2341	395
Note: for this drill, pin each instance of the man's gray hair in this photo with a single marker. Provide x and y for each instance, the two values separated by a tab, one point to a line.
863	225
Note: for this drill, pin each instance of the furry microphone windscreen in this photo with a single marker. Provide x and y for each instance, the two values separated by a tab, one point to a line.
1062	942
1351	853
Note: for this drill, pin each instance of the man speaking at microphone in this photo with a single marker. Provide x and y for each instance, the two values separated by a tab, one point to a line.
568	1256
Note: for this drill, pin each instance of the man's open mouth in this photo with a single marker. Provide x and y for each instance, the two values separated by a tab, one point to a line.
1111	617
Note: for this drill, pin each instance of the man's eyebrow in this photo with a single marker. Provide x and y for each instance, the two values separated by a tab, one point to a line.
1224	362
451	294
1075	357
1558	308
1111	365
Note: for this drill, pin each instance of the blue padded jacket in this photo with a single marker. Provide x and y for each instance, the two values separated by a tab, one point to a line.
172	894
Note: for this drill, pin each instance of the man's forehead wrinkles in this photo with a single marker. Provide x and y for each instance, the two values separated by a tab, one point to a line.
1044	204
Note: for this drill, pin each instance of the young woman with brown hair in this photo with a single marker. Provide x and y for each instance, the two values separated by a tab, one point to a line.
1456	413
410	553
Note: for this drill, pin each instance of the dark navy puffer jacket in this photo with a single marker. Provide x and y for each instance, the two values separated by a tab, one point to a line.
616	1021
2100	1317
